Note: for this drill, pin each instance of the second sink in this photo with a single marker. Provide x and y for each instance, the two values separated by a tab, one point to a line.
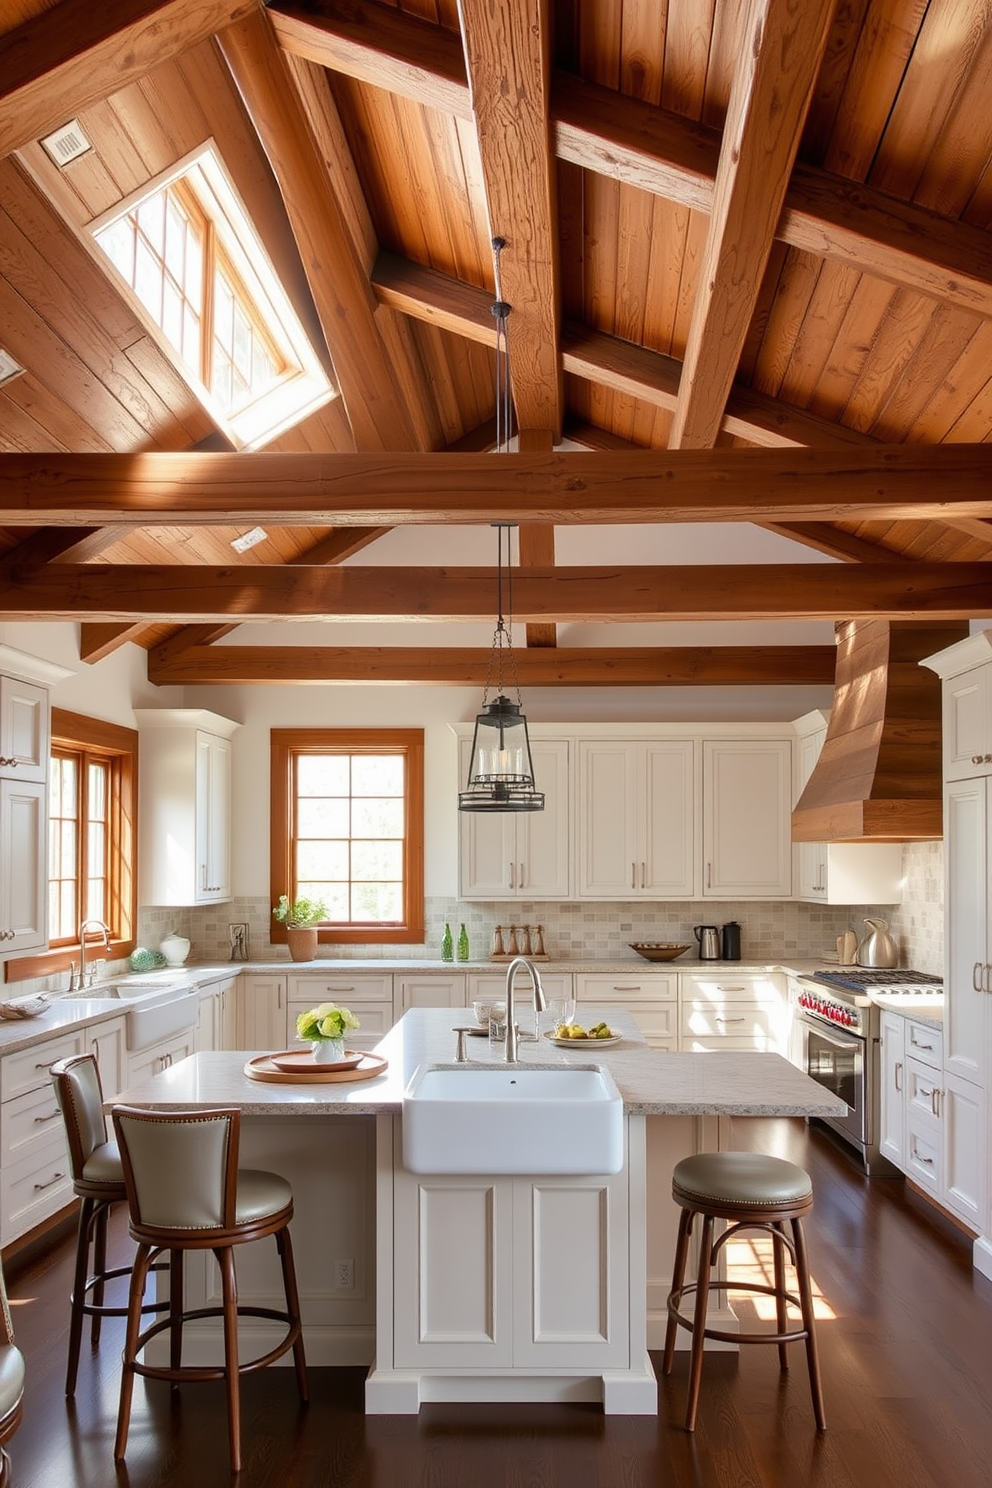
512	1119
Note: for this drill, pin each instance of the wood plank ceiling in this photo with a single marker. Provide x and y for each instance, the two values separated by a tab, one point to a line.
749	262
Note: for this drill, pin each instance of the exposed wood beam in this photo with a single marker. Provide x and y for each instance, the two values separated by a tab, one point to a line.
835	542
387	48
508	56
661	152
99	639
605	360
73	545
645	666
782	48
338	282
890	482
57	63
204	593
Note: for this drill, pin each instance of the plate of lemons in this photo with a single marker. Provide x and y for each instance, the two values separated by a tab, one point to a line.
571	1035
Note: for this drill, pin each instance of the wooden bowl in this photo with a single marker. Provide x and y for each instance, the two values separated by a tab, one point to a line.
657	950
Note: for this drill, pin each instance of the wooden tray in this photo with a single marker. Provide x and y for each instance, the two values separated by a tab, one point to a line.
302	1059
262	1068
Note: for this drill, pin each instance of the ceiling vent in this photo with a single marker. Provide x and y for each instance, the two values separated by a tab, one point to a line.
66	144
878	778
9	369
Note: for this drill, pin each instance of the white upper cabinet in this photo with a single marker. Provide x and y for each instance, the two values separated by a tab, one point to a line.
839	872
23	865
519	855
747	812
965	670
635	812
24	730
185	806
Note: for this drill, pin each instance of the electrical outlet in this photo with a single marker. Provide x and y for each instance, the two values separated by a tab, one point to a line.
344	1275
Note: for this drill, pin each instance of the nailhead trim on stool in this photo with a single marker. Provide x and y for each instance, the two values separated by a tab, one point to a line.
755	1192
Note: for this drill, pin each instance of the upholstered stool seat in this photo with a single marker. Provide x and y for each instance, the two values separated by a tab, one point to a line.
98	1182
186	1192
11	1383
751	1191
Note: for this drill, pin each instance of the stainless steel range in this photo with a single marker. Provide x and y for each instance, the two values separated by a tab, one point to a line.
839	1023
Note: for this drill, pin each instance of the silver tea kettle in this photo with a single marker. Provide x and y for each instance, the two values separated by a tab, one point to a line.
709	942
878	948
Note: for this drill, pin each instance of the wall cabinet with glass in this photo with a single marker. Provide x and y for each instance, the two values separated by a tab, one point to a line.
184	818
519	855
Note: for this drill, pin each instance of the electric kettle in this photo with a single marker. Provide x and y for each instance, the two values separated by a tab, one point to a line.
731	941
709	942
878	948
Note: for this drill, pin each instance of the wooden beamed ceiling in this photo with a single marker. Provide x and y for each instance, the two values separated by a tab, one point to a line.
768	260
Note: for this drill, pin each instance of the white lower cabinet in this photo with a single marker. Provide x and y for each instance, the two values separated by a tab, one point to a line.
651	997
106	1041
892	1115
735	1010
510	1272
215	1026
966	1139
368	994
35	1178
440	989
260	1019
144	1063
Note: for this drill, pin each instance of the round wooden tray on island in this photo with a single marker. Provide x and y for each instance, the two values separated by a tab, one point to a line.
297	1067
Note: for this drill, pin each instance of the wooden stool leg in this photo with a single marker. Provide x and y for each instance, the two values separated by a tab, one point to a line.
78	1292
99	1267
284	1245
699	1321
678	1277
781	1306
806	1301
139	1275
176	1295
229	1288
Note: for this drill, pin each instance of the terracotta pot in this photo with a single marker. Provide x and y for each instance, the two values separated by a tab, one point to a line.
302	942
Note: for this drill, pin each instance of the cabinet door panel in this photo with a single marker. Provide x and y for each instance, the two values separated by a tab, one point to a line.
607	845
667	858
747	818
24	729
965	1145
542	846
892	1136
23	864
967	723
966	833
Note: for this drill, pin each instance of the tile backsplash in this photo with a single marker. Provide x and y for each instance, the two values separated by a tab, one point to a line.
595	931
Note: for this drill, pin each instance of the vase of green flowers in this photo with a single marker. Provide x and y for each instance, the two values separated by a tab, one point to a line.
324	1028
301	919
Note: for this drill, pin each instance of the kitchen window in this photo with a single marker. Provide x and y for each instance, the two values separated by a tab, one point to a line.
348	829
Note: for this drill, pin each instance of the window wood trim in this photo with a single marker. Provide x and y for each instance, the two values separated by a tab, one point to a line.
283	744
74	730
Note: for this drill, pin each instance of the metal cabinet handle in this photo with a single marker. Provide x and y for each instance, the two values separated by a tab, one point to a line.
52	1116
897	1073
935	1095
635	987
709	875
9	762
719	1019
976	976
521	880
633	875
927	1048
513	875
644	875
918	1157
56	1177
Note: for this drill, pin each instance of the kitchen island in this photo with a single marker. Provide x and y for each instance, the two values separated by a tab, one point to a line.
474	1287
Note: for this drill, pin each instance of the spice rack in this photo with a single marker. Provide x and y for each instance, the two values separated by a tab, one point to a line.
510	941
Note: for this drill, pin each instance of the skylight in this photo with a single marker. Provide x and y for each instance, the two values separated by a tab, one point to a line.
188	252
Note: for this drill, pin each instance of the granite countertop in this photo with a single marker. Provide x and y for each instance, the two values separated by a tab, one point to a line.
651	1082
929	1010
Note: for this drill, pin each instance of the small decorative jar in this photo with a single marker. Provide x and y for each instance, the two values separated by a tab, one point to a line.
175	949
327	1051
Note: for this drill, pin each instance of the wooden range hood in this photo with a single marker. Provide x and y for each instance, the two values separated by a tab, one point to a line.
878	778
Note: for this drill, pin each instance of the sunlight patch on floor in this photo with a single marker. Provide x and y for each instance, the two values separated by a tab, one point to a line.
749	1258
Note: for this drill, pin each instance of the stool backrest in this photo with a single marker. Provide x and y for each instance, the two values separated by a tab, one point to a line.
180	1167
80	1097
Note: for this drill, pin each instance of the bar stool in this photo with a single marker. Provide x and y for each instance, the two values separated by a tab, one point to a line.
98	1182
751	1191
185	1192
11	1383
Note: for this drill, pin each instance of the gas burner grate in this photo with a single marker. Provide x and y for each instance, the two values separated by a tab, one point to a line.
859	978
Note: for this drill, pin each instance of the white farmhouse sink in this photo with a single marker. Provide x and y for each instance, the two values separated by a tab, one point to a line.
156	1009
512	1119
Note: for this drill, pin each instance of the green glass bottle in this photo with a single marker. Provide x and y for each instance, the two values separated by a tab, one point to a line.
463	944
447	945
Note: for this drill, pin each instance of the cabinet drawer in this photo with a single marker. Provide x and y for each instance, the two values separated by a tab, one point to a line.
340	986
925	1043
376	1019
490	986
659	1023
733	986
599	987
923	1089
28	1068
34	1188
924	1140
27	1122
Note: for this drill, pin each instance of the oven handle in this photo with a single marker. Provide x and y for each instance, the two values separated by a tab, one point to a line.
839	1037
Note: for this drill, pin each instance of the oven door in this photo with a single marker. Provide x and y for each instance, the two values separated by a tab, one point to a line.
836	1060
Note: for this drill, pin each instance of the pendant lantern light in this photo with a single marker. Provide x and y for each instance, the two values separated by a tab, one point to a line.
501	770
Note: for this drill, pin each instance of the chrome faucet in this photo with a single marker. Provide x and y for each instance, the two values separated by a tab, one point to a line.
99	924
540	1003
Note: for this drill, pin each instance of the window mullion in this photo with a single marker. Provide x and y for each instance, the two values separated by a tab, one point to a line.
207	322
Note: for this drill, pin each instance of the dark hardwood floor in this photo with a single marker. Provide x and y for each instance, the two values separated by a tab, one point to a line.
906	1347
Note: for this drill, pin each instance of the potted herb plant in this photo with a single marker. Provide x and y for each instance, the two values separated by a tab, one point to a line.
301	919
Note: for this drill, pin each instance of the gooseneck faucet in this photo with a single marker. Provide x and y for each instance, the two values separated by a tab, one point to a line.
86	925
540	1003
